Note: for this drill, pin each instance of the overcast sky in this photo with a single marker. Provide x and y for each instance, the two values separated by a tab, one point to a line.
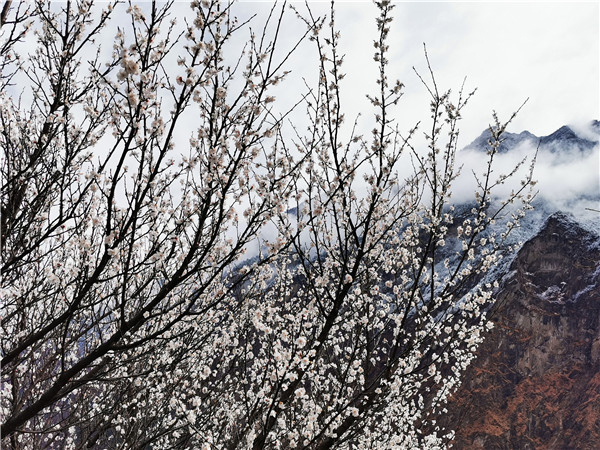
548	52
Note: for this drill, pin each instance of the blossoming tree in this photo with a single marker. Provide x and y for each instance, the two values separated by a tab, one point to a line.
132	315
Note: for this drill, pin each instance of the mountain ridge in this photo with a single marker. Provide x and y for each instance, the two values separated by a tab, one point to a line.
564	135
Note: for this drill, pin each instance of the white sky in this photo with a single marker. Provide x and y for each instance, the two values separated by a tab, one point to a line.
548	52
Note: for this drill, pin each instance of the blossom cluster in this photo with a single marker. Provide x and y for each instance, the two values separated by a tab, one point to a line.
180	273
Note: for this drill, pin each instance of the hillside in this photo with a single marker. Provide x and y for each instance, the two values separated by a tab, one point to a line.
536	380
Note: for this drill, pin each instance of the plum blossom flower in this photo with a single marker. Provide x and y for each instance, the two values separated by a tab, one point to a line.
301	341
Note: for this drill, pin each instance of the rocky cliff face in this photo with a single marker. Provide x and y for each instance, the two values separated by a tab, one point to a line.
536	380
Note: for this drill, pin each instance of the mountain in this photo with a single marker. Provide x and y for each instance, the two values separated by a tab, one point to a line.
510	140
535	383
567	171
564	137
536	380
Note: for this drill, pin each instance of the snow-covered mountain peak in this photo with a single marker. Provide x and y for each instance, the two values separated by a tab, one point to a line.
510	140
566	137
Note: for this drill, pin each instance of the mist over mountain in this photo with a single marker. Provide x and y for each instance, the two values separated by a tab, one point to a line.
567	169
536	380
565	136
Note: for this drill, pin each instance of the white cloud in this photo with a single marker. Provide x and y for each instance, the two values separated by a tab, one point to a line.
567	178
547	52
